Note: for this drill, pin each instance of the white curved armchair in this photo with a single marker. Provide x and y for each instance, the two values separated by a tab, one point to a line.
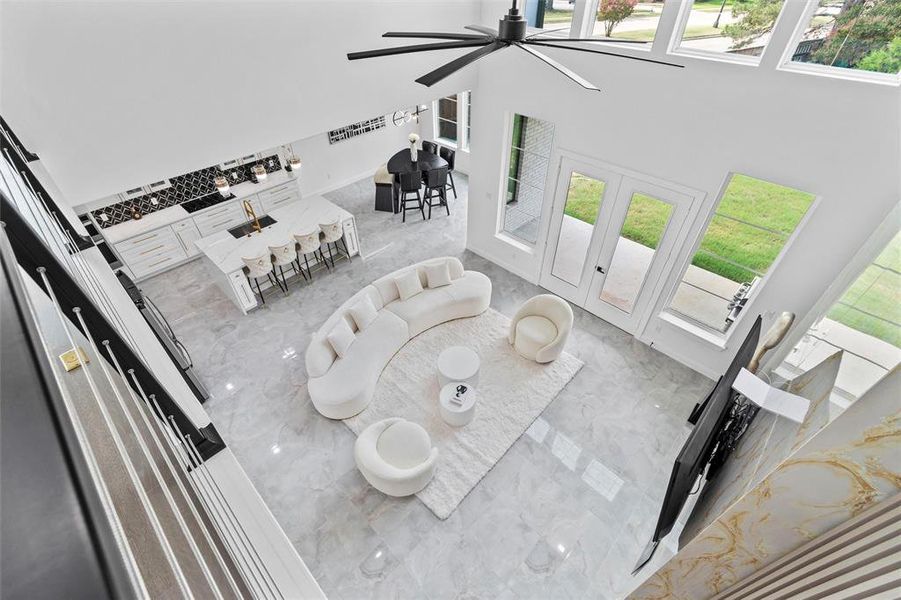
541	327
396	456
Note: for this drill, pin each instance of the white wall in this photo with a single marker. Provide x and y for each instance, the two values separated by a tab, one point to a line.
114	94
834	138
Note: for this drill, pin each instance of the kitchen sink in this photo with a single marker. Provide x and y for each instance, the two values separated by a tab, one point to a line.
247	227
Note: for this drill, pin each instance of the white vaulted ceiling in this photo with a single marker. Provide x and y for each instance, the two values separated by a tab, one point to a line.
116	94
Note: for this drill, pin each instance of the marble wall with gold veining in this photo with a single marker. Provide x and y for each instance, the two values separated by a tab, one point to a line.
768	440
829	472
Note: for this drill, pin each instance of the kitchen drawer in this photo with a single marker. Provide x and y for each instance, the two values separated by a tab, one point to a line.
225	222
219	219
158	261
289	187
270	203
218	212
140	245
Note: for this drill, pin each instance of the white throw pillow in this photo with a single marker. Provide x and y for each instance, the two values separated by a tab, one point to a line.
408	284
340	337
363	313
438	275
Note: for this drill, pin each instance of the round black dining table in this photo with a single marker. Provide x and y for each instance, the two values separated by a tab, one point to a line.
425	161
400	163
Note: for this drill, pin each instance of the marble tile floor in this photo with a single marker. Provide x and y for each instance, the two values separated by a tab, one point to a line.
565	512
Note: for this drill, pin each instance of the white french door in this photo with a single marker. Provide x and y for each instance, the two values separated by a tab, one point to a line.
612	237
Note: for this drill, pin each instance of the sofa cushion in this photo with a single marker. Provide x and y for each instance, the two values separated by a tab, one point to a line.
363	313
341	337
350	382
424	310
465	297
408	284
404	445
438	275
388	290
320	355
534	333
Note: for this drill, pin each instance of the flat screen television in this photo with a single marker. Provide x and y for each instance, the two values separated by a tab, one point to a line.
709	418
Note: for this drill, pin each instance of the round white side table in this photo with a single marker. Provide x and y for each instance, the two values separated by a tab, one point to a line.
458	363
455	414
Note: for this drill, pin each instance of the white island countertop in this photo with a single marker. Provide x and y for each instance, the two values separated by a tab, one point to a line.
304	216
173	214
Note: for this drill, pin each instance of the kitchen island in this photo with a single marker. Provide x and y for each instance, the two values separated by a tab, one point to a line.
223	252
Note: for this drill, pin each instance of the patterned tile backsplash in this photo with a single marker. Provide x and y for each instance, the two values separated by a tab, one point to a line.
184	187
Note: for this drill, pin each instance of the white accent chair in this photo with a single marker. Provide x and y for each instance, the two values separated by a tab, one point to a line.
396	456
342	387
541	327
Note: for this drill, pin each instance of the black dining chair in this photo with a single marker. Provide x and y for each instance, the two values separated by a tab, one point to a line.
450	156
436	189
430	147
409	184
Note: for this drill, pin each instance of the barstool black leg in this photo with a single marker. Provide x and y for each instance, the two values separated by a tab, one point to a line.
284	281
444	201
332	258
259	291
421	206
306	261
450	175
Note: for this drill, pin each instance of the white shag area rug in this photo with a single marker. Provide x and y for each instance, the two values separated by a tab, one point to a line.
512	392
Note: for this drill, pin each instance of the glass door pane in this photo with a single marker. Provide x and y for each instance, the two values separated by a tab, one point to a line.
583	203
638	241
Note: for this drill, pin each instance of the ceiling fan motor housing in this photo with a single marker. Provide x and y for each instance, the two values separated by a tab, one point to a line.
512	27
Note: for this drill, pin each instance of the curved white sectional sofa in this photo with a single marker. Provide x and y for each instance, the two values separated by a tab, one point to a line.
342	387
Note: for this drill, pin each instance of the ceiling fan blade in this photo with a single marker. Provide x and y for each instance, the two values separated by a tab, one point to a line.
430	79
482	29
543	31
564	70
417	48
434	36
602	40
593	51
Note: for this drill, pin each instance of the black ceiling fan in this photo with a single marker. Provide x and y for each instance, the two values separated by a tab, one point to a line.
511	31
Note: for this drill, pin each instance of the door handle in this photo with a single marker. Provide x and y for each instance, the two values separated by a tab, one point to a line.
600	269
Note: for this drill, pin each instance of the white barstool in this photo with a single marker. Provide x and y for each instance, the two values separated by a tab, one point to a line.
258	267
332	233
285	256
308	243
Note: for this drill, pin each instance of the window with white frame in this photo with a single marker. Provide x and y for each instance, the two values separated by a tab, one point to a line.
627	20
746	234
865	323
739	29
452	124
852	36
531	142
556	18
446	119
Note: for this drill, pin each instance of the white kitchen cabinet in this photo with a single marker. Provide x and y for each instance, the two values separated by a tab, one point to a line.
244	295
279	196
224	216
151	252
350	236
187	233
